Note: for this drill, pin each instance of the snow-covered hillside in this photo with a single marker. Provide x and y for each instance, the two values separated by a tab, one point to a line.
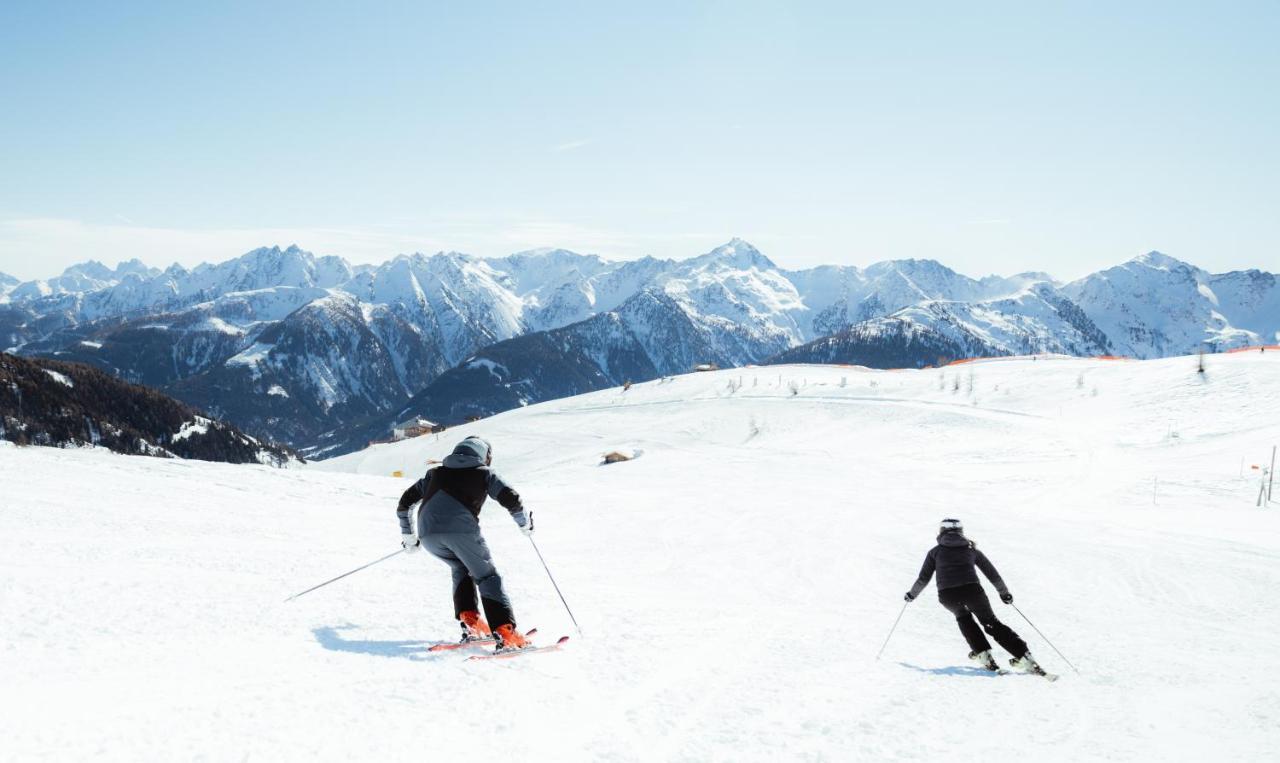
734	582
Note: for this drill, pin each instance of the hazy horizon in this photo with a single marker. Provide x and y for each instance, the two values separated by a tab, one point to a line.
782	265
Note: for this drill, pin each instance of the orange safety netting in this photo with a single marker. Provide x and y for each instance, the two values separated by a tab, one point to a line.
1255	348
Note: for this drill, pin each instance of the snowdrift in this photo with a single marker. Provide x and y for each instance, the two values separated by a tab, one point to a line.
734	584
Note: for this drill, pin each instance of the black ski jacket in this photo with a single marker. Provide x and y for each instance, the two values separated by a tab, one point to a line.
468	487
452	499
452	494
954	559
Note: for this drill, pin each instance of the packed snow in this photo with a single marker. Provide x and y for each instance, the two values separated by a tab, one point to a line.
734	585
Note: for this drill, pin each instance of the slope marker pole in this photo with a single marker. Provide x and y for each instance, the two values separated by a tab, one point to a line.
1271	480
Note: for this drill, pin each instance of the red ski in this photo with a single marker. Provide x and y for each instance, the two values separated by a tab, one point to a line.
486	642
518	652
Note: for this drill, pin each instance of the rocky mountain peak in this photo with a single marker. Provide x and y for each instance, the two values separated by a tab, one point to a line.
737	254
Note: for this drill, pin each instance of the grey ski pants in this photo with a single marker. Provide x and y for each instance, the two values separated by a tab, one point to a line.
468	556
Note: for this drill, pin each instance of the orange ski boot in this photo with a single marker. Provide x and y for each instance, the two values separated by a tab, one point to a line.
473	626
509	638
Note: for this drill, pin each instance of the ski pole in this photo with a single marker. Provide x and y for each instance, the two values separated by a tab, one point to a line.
343	575
1046	638
891	630
553	585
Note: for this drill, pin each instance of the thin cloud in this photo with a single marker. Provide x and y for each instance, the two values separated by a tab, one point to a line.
572	145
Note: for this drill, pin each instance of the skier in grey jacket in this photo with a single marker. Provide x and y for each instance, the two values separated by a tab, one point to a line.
449	527
955	559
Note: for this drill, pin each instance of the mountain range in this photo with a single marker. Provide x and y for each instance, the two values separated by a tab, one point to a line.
321	354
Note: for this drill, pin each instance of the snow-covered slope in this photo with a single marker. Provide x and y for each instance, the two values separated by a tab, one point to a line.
734	583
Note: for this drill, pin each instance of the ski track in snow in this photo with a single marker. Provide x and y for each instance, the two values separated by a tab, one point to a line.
734	585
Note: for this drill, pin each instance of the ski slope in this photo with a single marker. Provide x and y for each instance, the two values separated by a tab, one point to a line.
734	582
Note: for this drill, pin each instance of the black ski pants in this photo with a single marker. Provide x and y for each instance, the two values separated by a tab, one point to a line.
468	557
968	603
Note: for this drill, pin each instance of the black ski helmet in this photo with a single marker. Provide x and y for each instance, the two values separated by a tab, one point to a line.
951	526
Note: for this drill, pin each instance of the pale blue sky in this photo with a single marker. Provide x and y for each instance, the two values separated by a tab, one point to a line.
995	137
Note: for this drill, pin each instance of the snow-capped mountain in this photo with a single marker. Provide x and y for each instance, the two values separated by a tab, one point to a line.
1155	305
323	366
888	342
304	348
1152	306
837	297
650	335
7	284
86	277
1035	320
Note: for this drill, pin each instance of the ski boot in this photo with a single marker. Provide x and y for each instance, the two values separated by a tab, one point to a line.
985	659
509	639
474	628
1027	663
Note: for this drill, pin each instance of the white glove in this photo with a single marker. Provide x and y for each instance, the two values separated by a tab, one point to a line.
410	542
525	521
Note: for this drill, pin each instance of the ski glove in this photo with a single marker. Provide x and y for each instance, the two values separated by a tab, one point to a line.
1006	597
409	542
909	596
525	521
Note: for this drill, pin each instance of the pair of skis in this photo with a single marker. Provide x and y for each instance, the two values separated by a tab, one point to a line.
1033	672
489	642
1034	669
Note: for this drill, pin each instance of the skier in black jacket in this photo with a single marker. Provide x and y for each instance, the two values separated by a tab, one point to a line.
955	559
449	527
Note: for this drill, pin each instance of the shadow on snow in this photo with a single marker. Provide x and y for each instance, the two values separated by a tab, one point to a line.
330	638
953	670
